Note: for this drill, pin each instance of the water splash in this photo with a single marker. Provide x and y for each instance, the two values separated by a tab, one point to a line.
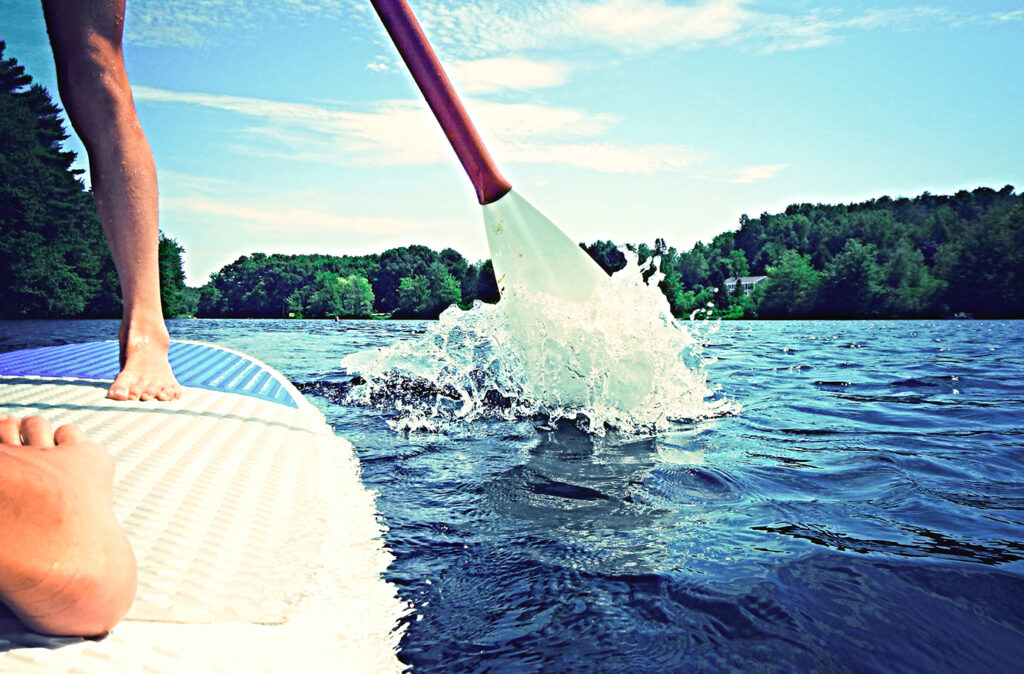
618	360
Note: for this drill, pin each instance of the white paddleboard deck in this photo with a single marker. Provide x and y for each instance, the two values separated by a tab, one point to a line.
259	549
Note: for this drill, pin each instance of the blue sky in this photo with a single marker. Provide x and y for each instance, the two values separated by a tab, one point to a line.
291	125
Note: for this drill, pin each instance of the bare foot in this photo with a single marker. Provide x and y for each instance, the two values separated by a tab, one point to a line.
145	373
66	566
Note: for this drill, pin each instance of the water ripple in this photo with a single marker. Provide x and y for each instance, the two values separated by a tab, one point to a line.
863	512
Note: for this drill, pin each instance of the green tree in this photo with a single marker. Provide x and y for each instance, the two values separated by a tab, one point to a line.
470	282
324	296
791	288
909	286
902	256
720	256
274	285
692	267
487	284
738	291
672	284
690	301
295	303
852	282
54	261
357	296
983	259
427	295
173	294
396	264
721	299
413	297
332	295
191	301
606	254
447	292
211	301
456	265
736	264
52	250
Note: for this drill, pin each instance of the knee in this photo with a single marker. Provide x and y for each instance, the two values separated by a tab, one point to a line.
92	81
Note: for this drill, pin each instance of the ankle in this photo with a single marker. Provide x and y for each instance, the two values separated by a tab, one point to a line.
142	329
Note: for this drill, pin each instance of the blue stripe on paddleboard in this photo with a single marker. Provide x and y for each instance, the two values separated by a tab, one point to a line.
197	365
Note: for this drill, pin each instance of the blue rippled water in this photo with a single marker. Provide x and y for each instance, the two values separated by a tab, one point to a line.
863	512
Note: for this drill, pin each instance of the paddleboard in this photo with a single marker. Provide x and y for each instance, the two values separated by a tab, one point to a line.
259	549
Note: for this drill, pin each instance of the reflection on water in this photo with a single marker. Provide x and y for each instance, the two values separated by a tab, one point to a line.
864	511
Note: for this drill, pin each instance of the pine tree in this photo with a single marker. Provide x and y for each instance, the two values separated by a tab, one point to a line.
53	257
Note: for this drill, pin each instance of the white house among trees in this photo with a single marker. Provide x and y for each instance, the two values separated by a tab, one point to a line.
749	282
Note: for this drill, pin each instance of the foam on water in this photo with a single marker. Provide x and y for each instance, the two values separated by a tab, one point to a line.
618	360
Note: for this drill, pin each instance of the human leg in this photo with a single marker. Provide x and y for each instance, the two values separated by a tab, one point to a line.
86	40
66	566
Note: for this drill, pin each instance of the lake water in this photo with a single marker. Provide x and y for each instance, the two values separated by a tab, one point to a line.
862	511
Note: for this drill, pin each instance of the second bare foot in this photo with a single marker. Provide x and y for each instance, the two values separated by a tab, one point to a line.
66	566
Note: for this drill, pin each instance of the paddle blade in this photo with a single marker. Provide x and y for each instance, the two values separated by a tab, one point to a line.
529	252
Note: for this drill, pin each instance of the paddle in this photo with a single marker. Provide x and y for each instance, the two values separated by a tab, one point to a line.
575	357
528	251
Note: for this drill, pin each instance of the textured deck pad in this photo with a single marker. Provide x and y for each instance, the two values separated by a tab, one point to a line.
241	508
196	365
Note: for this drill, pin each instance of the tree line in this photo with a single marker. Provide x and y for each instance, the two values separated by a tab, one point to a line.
929	256
406	282
54	260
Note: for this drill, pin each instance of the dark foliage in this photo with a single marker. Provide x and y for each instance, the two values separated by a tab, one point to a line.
54	260
407	282
930	256
921	257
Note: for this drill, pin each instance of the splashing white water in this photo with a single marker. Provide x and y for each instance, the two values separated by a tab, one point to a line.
618	360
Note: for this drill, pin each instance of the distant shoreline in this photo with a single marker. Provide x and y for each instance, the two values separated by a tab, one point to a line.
683	320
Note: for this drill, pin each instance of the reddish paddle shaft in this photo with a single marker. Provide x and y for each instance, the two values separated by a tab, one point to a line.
419	57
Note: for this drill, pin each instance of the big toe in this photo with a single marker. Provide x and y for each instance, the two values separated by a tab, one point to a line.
125	387
117	393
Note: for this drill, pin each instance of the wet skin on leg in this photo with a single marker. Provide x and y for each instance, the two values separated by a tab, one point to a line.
86	40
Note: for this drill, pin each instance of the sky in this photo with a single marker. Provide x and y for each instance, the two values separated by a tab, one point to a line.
292	126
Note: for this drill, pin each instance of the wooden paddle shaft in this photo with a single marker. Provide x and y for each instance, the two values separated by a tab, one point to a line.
430	77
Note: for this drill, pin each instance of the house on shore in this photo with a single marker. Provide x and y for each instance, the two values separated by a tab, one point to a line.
749	283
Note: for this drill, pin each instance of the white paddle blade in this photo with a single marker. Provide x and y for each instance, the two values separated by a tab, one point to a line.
554	296
529	252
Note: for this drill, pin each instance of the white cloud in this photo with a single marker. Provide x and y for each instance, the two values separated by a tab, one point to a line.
391	133
220	219
1015	15
524	120
605	157
197	22
488	75
648	24
402	133
488	27
275	218
755	174
482	28
380	65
